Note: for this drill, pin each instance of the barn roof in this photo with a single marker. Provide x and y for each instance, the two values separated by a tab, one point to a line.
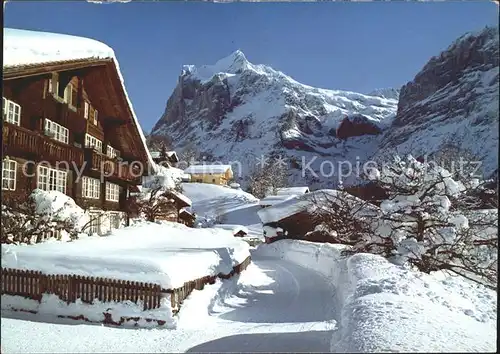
311	201
274	199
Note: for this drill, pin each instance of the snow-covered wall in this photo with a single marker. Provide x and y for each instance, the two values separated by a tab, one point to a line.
383	307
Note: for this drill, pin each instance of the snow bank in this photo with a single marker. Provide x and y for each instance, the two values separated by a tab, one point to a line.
59	206
168	254
233	228
51	305
384	307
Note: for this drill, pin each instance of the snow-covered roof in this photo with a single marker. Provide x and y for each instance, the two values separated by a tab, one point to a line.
292	190
308	202
181	197
30	48
202	169
157	154
185	211
274	199
233	228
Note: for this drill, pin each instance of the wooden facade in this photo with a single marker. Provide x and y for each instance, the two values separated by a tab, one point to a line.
187	218
67	125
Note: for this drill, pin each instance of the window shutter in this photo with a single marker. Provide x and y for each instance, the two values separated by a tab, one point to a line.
74	96
95	117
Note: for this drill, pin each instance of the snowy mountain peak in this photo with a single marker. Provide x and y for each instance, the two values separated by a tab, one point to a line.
234	63
389	93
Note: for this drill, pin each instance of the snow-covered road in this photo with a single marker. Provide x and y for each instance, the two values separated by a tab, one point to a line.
275	306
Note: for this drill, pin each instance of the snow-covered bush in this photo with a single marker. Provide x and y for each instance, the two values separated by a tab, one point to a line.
268	179
32	219
429	220
424	222
155	199
341	218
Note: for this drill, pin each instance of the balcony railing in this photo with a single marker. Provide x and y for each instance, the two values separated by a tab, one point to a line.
111	167
18	141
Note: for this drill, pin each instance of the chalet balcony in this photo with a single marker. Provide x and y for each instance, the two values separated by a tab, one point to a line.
111	167
30	145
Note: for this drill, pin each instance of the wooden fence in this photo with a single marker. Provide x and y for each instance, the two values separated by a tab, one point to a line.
33	284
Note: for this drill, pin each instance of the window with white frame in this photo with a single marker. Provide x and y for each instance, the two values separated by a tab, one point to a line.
112	192
9	168
93	142
11	111
95	116
112	152
50	179
68	95
56	131
91	188
86	109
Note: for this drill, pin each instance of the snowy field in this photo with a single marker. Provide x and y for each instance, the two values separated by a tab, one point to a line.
296	296
231	206
167	254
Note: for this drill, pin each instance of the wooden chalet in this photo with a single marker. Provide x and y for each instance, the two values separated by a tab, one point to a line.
165	158
295	219
68	126
187	218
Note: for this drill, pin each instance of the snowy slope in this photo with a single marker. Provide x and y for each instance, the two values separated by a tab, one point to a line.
209	199
217	204
238	109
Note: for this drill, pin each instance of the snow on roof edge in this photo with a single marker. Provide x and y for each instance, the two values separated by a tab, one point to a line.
104	52
134	116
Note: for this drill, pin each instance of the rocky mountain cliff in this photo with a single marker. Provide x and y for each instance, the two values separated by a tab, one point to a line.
453	99
236	111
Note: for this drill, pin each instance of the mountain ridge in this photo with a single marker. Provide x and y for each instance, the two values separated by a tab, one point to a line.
240	109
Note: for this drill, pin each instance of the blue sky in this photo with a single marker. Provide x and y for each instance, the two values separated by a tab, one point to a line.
351	46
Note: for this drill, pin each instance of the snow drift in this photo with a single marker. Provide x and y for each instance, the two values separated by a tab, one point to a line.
383	307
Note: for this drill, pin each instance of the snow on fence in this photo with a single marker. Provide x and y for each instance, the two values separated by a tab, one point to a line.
33	284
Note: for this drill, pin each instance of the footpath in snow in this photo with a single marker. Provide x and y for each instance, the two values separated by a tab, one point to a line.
383	307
